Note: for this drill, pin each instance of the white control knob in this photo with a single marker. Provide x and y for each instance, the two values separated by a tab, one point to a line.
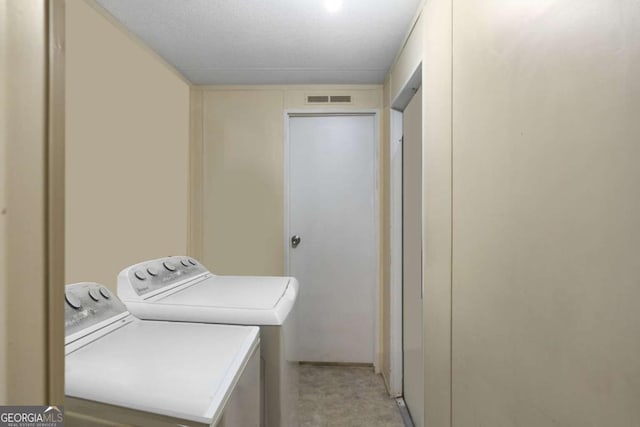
152	271
140	275
105	292
192	262
94	294
72	300
169	266
185	263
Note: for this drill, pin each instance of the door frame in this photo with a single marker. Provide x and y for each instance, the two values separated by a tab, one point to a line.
290	113
33	200
396	132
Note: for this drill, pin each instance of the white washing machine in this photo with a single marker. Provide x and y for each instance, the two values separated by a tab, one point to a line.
120	370
182	289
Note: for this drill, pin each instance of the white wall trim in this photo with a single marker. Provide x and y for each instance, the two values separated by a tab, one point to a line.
395	237
288	113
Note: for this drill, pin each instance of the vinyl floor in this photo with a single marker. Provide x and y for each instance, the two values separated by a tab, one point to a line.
345	397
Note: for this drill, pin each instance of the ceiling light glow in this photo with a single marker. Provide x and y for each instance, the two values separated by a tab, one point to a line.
333	5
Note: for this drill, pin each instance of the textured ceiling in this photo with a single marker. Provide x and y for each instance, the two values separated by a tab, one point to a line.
271	41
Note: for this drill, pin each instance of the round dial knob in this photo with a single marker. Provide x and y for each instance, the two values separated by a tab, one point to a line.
185	263
94	294
140	275
72	300
105	292
192	262
152	271
169	266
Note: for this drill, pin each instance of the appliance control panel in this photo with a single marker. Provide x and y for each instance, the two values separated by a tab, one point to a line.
150	276
87	304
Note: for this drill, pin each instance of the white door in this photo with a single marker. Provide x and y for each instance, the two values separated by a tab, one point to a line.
412	259
332	209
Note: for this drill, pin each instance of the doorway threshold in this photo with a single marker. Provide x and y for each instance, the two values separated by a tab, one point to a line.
343	364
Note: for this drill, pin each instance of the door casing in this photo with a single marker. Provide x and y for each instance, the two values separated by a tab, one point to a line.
395	236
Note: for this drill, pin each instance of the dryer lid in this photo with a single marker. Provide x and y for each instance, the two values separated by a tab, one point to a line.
239	292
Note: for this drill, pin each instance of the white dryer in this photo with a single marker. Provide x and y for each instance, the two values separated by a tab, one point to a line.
182	289
120	370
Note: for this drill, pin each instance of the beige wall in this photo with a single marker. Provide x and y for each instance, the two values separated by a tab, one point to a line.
531	213
196	175
127	150
436	211
546	219
243	187
24	132
3	206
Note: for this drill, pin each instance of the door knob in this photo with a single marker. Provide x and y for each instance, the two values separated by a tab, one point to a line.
295	241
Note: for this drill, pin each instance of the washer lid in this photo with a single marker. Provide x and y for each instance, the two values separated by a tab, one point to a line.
239	292
182	370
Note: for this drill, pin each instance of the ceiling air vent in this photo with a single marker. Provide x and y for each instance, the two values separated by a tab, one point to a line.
342	99
317	99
